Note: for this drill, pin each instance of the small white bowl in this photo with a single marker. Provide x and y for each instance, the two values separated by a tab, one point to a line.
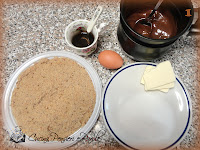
71	30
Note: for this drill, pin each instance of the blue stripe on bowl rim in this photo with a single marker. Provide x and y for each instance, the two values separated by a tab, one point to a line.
137	64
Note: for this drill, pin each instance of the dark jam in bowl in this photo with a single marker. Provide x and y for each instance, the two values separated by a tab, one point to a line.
82	38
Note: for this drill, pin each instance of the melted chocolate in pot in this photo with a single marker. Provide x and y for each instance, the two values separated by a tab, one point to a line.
163	24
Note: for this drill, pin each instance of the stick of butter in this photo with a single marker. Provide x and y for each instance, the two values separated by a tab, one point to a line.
160	77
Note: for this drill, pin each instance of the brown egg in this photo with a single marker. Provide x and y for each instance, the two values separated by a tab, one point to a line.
110	59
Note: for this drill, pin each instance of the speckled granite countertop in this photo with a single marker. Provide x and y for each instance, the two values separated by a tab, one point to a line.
33	28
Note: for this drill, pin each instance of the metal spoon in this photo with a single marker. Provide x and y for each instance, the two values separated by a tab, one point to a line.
146	21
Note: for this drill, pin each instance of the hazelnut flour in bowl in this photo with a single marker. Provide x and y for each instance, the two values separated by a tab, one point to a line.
51	101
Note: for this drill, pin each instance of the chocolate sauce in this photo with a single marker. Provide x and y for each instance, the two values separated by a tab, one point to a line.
163	24
82	38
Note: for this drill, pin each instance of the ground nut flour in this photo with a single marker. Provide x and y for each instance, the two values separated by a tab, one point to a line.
53	99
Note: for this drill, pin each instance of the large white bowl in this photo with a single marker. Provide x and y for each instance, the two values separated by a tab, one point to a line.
10	122
145	120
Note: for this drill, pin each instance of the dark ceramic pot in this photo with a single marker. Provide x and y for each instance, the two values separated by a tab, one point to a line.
141	48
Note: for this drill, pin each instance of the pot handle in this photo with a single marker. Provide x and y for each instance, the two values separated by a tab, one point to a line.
195	28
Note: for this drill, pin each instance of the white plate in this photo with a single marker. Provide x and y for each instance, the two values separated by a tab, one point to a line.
10	122
145	120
